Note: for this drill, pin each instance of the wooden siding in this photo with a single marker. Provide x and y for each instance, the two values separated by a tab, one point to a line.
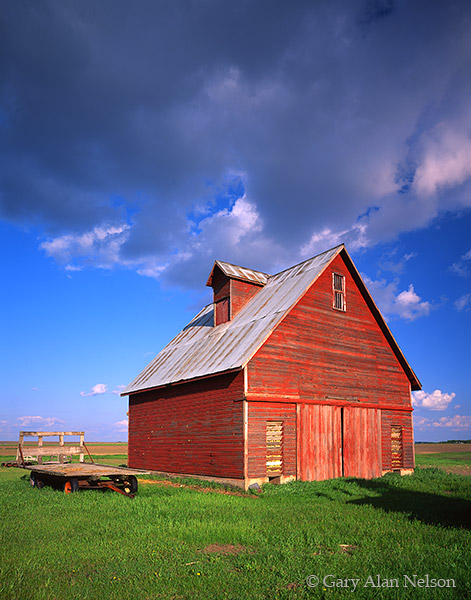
258	415
403	419
221	311
221	285
320	353
192	428
241	292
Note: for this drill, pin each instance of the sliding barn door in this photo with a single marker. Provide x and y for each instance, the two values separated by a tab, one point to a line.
362	442
334	441
319	446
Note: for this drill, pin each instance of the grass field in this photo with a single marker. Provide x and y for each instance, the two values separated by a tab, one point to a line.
186	539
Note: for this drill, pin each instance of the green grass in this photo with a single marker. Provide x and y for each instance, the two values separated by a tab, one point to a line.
101	545
444	459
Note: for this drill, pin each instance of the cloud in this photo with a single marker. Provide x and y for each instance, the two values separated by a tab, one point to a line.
396	265
455	423
98	389
446	161
42	421
406	304
436	400
122	425
463	266
463	303
117	391
99	247
311	110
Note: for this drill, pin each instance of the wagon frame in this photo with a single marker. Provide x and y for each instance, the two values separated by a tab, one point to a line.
69	476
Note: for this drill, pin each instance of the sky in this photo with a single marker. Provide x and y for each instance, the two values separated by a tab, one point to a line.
140	141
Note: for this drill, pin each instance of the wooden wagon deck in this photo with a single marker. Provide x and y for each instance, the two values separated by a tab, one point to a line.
71	476
84	470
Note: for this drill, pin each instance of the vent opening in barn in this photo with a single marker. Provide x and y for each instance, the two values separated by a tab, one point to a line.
281	377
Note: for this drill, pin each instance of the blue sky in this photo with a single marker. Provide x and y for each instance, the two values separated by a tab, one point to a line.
138	146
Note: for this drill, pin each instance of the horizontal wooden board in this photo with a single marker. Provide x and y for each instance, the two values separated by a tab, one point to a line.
192	428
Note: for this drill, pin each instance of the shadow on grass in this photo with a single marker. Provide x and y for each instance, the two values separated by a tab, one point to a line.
433	509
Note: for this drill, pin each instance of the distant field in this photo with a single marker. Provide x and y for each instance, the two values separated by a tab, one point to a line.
440	448
9	448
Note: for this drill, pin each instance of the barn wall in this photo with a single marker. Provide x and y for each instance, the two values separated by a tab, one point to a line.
241	292
193	428
258	415
318	352
403	419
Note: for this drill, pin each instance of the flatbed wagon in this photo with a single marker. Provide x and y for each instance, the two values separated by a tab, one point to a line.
59	472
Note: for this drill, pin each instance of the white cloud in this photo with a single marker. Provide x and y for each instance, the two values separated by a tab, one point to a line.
446	161
463	303
436	400
405	305
462	267
354	237
119	388
122	425
43	421
99	247
99	388
410	306
455	423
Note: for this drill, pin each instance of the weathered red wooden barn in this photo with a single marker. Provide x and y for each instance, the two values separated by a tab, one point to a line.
287	376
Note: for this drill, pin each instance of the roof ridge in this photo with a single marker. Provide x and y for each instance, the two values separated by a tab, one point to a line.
308	259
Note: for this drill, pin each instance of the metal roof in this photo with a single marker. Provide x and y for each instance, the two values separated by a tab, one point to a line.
241	273
201	349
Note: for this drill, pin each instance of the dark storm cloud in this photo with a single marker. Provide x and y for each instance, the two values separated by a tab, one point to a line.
136	115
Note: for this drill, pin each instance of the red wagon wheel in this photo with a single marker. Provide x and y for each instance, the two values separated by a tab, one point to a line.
71	485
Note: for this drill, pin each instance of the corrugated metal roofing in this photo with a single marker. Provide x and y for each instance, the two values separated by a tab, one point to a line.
239	273
201	349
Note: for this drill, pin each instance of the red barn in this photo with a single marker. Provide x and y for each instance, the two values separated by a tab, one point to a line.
287	376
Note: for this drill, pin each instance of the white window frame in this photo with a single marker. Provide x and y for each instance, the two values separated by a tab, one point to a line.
338	293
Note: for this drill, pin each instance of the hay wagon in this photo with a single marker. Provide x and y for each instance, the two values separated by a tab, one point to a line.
52	465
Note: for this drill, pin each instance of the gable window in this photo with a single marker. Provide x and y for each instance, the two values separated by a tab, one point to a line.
338	291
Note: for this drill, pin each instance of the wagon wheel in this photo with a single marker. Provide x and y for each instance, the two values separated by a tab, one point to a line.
129	484
71	485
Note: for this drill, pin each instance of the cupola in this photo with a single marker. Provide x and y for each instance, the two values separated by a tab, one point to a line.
233	287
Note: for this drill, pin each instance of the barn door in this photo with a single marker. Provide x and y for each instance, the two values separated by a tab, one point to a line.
319	442
361	442
334	441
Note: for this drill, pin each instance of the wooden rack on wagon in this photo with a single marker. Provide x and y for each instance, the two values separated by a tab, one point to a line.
59	471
